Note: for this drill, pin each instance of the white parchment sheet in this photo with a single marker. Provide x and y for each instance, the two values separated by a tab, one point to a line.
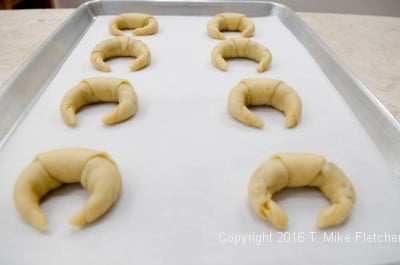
186	163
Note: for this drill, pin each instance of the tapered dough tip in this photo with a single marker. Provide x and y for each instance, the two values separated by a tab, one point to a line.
42	226
290	121
273	213
105	68
115	31
262	67
71	121
245	116
133	67
214	32
110	119
68	115
101	65
137	32
38	219
253	120
223	68
140	31
221	65
324	221
106	121
264	64
282	225
113	117
257	123
219	62
220	36
72	124
322	224
246	34
78	219
138	64
333	215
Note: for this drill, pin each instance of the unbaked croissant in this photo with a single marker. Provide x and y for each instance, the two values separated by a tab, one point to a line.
100	89
263	91
95	170
117	47
238	47
143	24
230	22
297	170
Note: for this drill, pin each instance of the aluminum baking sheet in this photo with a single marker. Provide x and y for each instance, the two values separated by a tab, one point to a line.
186	163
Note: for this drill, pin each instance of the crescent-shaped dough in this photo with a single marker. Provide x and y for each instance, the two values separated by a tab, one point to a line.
263	91
143	24
230	22
100	89
238	47
95	170
297	170
117	47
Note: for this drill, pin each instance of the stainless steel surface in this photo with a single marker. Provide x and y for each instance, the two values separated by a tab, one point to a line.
21	91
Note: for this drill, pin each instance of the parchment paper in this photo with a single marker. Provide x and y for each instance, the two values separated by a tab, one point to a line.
186	163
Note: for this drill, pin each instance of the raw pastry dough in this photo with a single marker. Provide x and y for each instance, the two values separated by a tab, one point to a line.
120	46
230	22
95	170
263	91
100	89
143	24
238	47
297	170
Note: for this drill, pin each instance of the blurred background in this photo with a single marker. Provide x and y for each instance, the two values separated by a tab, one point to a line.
364	7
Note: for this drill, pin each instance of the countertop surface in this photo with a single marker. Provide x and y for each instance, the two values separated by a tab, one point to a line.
368	45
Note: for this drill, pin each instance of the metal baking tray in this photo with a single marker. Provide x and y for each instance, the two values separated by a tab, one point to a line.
24	89
21	90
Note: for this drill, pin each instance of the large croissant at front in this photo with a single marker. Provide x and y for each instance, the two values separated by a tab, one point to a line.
100	89
297	170
230	22
263	91
238	47
95	170
117	47
143	24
